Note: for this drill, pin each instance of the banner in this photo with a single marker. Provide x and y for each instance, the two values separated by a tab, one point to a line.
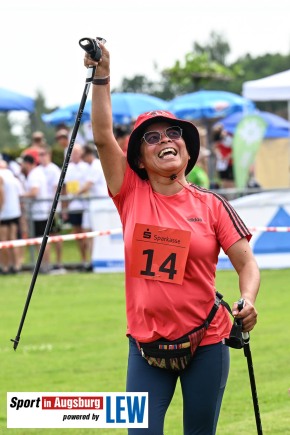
108	251
77	410
247	139
271	210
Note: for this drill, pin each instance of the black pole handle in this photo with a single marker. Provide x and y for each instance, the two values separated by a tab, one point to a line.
241	304
91	46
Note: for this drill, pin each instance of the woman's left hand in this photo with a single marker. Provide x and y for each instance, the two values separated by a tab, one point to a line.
248	314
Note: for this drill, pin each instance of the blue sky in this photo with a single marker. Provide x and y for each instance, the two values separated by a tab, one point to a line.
39	39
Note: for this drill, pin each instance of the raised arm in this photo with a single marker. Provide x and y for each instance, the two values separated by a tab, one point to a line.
111	156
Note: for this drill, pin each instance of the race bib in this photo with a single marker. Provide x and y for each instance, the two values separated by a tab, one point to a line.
159	253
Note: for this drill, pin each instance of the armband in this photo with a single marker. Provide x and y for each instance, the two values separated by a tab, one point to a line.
101	80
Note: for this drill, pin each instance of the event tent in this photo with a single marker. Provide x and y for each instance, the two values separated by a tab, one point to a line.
275	87
272	88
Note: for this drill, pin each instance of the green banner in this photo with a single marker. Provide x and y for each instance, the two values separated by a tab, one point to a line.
246	142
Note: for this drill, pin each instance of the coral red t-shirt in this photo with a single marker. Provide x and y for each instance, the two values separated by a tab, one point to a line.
157	308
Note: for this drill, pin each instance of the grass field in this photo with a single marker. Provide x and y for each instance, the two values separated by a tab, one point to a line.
74	340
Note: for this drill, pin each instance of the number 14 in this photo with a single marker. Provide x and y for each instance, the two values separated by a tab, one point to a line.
169	261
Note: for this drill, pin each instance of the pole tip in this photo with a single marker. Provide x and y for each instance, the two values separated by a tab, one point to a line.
15	341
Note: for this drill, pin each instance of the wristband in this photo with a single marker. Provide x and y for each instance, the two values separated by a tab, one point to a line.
101	80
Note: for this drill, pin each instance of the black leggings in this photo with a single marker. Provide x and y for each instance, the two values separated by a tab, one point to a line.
202	383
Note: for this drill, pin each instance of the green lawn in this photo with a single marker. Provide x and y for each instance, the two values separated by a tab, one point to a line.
74	340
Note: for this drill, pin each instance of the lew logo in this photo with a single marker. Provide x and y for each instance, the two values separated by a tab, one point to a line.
126	410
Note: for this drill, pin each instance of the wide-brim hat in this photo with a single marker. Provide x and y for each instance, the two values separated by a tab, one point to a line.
189	133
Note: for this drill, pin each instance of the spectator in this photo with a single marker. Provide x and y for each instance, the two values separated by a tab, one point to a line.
198	175
224	160
52	174
76	177
95	187
10	213
38	142
96	184
252	181
35	189
122	134
62	138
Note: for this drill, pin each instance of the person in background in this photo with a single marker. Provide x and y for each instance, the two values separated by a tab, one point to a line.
52	173
10	213
37	209
223	142
62	138
75	180
38	142
170	291
198	175
252	181
96	189
122	134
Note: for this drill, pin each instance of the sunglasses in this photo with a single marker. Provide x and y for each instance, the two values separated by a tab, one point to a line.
154	137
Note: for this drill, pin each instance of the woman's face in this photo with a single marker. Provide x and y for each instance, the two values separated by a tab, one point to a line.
168	156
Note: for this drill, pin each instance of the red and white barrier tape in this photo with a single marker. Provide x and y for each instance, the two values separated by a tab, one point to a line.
88	235
54	239
269	229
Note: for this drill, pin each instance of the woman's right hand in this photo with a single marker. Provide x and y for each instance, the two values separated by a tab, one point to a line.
103	65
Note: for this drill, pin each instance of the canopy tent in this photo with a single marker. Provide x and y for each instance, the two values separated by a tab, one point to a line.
272	88
10	100
275	87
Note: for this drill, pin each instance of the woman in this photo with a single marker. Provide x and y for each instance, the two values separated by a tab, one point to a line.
173	232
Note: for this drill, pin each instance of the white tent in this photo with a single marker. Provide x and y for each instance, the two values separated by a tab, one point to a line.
271	88
275	88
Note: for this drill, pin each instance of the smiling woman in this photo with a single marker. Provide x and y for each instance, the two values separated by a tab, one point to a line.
173	233
164	137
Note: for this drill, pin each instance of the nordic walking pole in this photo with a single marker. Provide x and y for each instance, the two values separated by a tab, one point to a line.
248	355
91	46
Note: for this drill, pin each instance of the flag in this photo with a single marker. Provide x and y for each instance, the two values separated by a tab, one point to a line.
246	142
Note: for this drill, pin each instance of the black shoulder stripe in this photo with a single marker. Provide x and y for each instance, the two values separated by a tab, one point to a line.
235	218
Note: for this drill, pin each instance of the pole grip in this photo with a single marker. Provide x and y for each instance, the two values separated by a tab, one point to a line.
241	304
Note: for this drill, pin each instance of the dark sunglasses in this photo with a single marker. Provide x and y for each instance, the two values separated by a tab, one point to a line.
154	137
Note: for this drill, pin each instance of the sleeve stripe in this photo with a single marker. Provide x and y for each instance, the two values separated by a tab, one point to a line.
235	218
